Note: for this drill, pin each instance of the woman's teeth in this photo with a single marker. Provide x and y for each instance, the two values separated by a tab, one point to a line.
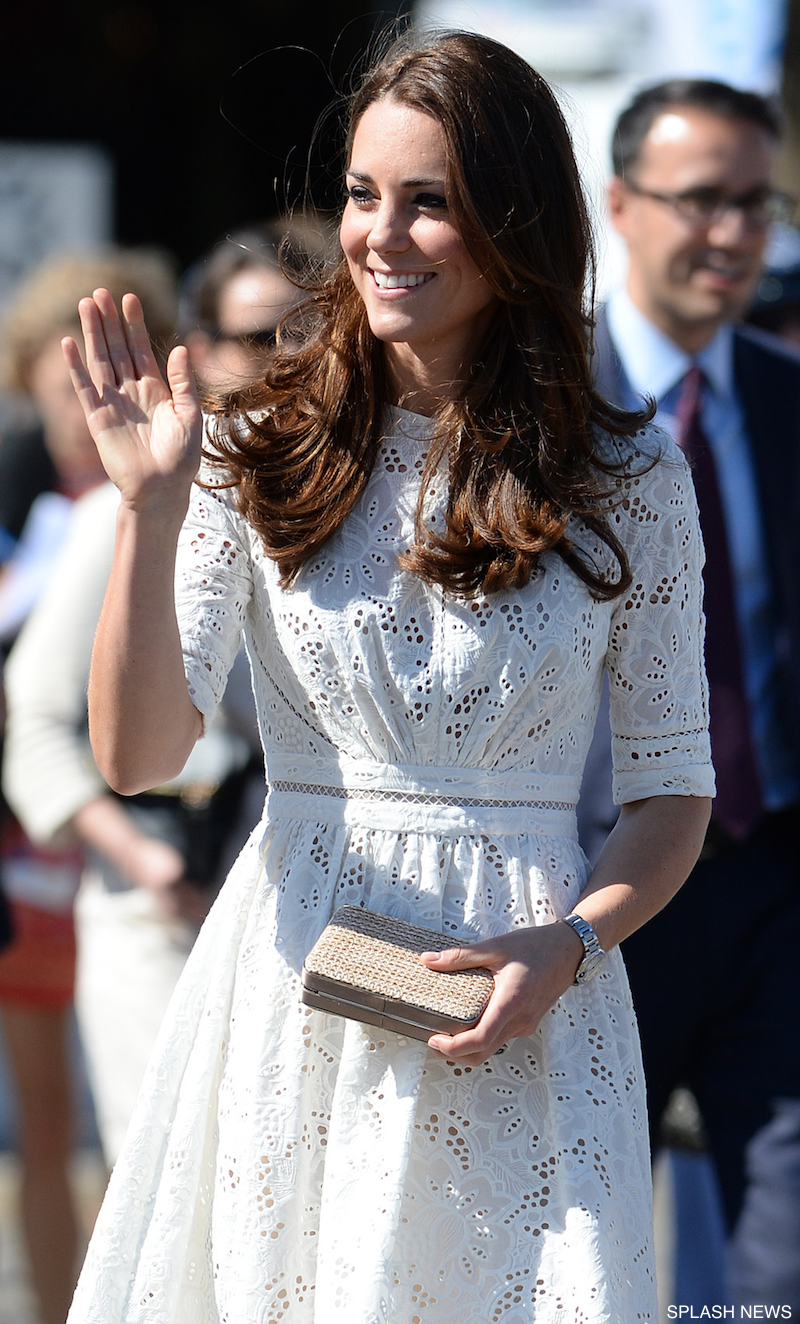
385	282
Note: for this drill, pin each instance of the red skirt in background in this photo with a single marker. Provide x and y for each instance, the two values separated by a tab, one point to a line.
37	968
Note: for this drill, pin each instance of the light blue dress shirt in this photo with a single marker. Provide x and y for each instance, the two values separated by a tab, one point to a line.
655	366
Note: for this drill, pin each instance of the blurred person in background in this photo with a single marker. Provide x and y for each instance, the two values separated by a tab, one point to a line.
713	977
52	459
44	468
154	860
233	299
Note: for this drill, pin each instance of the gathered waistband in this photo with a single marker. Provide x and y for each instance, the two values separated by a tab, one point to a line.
405	798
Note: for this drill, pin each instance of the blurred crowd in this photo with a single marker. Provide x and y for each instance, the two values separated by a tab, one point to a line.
102	896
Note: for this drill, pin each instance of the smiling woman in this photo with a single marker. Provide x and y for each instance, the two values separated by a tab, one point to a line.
425	298
436	537
447	186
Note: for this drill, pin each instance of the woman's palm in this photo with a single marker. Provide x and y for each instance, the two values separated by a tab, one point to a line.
147	431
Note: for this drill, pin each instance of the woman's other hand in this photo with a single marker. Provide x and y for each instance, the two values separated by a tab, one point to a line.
532	967
147	430
646	858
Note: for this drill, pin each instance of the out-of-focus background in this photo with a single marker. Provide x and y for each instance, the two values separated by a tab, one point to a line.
171	126
164	124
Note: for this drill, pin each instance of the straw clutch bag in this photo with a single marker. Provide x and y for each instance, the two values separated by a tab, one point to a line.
366	966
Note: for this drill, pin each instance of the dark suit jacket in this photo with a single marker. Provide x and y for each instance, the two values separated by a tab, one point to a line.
767	377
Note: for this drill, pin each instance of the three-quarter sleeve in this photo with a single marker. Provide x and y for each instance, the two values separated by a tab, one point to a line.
213	587
658	688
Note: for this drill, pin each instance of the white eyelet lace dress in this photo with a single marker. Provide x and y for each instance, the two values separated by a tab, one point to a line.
423	758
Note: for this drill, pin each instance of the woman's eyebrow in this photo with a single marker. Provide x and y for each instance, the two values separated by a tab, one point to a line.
404	183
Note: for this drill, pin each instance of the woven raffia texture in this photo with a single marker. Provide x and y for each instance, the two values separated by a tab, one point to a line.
378	954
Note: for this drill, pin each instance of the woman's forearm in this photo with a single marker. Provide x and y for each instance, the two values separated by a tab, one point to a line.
142	721
644	862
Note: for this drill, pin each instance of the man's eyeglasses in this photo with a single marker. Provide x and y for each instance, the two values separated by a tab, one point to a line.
706	206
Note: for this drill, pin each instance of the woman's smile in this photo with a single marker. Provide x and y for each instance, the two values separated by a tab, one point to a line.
401	280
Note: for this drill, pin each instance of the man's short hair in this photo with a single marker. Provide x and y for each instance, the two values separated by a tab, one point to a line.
731	103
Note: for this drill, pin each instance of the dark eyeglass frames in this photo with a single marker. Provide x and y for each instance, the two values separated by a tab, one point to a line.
706	206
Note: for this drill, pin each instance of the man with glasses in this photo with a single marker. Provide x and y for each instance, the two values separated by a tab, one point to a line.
715	977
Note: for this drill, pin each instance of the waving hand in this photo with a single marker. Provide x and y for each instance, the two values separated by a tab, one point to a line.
148	434
147	430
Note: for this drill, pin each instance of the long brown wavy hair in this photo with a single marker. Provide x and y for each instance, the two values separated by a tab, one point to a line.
520	441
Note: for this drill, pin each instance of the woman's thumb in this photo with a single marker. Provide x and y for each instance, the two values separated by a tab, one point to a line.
454	958
181	380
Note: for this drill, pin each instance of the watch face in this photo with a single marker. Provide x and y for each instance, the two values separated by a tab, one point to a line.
590	966
594	956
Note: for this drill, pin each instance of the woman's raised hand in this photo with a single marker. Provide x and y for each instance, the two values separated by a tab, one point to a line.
147	430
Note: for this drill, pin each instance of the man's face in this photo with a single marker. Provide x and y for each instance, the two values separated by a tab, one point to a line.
689	277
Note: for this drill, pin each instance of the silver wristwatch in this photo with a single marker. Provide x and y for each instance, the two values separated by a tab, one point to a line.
593	955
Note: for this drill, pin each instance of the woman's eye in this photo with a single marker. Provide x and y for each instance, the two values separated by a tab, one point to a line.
357	193
432	200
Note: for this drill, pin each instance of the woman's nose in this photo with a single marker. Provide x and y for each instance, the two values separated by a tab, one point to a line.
389	231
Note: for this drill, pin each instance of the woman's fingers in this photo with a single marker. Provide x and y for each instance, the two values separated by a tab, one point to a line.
119	362
98	361
116	343
141	351
148	433
512	1010
476	1045
117	352
473	1046
81	381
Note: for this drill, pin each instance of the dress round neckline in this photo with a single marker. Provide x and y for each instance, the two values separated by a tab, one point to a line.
409	424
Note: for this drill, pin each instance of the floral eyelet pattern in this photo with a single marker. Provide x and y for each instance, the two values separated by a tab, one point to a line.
423	757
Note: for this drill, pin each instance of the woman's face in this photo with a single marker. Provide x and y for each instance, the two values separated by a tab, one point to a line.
425	297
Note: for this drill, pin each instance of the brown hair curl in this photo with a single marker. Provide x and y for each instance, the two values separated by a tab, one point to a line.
520	439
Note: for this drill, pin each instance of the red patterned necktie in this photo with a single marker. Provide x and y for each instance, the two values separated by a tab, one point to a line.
738	806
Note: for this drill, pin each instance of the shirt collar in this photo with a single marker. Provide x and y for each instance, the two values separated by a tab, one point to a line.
653	363
716	361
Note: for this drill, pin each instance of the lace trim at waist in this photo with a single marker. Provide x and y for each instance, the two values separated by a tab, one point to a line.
413	797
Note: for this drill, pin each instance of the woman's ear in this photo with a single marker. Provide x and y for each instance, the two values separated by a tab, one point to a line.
618	198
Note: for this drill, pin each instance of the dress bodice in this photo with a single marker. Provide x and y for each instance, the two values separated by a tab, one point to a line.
361	665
